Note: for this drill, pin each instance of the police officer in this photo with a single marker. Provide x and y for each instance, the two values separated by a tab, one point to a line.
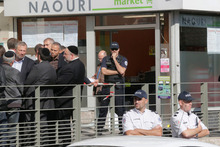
184	123
113	69
141	121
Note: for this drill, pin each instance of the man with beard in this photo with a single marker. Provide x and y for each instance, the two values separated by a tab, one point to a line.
71	73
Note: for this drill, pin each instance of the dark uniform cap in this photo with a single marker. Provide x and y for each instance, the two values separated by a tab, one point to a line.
186	96
73	49
140	93
114	45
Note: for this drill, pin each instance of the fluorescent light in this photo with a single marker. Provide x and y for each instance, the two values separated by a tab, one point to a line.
139	16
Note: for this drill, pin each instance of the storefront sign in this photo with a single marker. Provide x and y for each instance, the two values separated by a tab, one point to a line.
66	7
199	21
164	87
164	65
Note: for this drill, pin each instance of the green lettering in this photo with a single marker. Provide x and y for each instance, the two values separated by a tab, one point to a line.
137	1
117	2
123	2
141	1
132	2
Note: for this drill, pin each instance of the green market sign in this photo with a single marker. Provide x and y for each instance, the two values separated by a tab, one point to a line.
74	7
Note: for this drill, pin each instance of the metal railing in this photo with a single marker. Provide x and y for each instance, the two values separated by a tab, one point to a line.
83	122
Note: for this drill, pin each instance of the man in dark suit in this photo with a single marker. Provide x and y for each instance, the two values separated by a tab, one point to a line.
71	73
22	63
43	74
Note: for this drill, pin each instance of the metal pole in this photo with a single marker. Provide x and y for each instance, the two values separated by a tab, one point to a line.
204	103
37	114
77	112
146	89
112	109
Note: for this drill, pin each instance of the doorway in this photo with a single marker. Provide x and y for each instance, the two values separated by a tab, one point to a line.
138	46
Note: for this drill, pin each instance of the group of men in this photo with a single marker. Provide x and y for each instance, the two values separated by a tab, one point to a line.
57	66
21	74
184	123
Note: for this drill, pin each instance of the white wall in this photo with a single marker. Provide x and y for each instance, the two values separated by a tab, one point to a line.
6	27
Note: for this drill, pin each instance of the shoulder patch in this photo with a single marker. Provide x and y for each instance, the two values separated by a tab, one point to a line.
126	63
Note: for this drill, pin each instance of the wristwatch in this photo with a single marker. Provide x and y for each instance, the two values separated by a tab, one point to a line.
197	136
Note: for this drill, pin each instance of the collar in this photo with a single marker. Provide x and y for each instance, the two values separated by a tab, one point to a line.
75	59
20	60
139	112
187	113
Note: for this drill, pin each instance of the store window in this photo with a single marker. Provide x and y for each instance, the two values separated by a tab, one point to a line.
65	30
199	53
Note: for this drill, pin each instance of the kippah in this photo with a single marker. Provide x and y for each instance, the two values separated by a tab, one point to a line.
45	51
9	54
73	49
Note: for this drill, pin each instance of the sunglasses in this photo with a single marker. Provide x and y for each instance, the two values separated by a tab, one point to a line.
114	49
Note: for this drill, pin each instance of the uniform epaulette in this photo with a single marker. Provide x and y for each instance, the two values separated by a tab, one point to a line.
154	111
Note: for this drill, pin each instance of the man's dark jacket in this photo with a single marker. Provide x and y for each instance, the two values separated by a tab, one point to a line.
71	73
2	83
41	74
26	68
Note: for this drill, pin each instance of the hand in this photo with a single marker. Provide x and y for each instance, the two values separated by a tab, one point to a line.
114	55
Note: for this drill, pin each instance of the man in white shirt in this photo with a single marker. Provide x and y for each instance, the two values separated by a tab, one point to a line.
141	121
22	63
184	123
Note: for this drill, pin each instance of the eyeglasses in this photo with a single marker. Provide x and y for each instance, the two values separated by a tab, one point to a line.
114	49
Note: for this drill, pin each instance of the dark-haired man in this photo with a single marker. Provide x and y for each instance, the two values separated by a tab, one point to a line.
42	74
11	43
184	123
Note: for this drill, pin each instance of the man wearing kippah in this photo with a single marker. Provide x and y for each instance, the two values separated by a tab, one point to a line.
71	73
13	90
184	123
141	121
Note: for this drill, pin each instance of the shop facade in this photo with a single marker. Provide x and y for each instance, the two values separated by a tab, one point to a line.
171	39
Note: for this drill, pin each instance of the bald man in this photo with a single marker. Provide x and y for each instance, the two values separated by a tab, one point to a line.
99	77
48	43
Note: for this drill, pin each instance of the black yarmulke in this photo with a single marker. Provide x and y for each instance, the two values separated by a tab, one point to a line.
73	49
45	51
9	54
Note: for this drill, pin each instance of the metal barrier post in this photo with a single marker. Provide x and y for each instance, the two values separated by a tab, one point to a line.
77	112
112	109
146	88
204	102
37	114
175	98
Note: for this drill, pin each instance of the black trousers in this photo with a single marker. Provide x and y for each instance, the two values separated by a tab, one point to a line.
104	102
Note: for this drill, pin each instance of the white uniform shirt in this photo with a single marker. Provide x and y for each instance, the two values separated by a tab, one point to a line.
134	119
182	121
